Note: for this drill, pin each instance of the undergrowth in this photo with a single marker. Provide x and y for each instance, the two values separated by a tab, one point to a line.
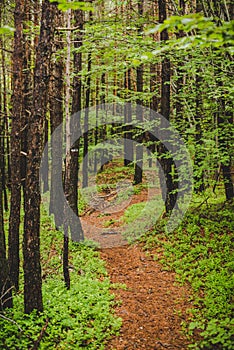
79	318
201	253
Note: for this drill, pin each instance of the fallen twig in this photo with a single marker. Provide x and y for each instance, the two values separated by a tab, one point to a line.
37	342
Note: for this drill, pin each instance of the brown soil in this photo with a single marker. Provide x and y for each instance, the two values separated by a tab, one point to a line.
93	222
152	306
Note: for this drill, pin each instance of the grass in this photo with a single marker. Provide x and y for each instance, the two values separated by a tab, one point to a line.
141	217
200	251
81	318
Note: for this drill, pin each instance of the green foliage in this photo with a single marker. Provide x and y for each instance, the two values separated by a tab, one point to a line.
76	319
201	252
82	203
208	32
6	30
65	5
141	217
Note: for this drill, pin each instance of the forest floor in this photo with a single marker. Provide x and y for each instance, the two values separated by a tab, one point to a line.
151	304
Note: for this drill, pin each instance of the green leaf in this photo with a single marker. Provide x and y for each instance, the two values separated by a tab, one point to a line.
6	30
65	5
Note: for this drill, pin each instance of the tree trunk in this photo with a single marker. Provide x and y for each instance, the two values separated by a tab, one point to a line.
5	283
128	146
139	109
76	232
27	89
225	120
45	160
96	131
199	173
86	123
67	188
17	101
5	130
31	242
166	162
56	119
103	132
5	112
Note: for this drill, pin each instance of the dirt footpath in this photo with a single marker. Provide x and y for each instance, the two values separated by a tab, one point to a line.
153	305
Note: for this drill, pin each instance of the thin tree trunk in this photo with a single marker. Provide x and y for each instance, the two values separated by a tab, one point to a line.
199	173
31	242
86	123
68	155
225	120
27	89
96	131
45	160
5	283
5	115
139	110
56	119
103	127
76	232
128	146
166	162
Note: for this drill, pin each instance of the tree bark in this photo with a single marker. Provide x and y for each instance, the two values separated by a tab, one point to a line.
5	282
66	222
56	119
76	232
31	242
86	123
128	146
27	88
17	102
139	109
166	162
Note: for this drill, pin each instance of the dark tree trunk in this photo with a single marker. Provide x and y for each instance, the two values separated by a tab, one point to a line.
17	100
5	114
96	131
76	232
103	131
67	177
45	160
139	109
5	282
27	89
166	162
179	103
5	130
128	146
56	119
154	103
225	120
86	123
199	173
31	242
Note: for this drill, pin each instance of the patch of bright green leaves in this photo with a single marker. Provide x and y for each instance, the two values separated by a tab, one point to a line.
65	5
79	318
201	252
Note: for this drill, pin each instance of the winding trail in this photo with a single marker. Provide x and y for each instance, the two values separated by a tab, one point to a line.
152	306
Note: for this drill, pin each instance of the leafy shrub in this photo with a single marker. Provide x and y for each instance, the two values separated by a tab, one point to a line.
201	252
79	318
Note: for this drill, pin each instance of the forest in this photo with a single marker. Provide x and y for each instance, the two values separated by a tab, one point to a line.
116	174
